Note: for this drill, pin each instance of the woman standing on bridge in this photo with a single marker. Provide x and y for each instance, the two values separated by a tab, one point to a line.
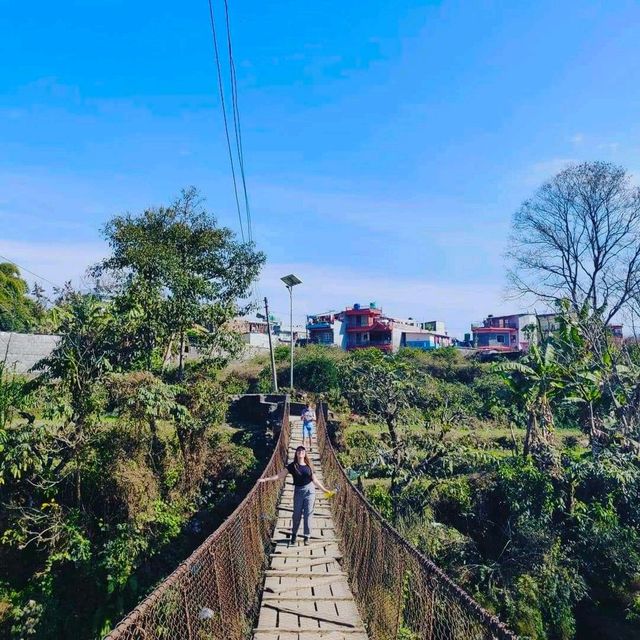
304	493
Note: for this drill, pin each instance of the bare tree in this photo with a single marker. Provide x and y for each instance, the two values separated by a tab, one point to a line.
578	239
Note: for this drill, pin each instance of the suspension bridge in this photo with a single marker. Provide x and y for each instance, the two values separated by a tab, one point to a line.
357	579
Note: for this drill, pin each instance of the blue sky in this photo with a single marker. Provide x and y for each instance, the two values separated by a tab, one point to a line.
387	144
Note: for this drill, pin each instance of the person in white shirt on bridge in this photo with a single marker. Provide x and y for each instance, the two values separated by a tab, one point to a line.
308	423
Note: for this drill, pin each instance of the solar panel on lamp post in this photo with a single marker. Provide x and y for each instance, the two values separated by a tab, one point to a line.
291	281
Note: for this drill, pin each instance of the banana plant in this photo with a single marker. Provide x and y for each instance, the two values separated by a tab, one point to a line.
537	379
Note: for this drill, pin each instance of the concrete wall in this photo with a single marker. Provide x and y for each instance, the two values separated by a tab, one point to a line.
260	340
21	351
437	326
258	408
396	337
419	341
340	333
525	320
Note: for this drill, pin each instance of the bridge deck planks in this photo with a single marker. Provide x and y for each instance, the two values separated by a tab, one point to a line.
306	595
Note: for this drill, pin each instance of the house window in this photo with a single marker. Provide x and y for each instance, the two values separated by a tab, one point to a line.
500	338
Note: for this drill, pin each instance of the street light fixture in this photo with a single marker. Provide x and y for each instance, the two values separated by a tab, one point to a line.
291	281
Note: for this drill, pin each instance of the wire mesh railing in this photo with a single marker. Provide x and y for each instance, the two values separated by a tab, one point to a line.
215	593
401	594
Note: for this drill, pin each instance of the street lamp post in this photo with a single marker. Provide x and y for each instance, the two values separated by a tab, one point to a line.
291	281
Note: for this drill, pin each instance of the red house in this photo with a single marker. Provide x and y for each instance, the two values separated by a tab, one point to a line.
367	328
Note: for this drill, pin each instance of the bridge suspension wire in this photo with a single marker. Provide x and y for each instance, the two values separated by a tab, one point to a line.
224	114
255	294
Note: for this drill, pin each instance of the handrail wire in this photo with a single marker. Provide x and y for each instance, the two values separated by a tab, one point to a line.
215	592
399	591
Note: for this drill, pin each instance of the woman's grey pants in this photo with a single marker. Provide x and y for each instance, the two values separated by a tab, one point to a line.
303	501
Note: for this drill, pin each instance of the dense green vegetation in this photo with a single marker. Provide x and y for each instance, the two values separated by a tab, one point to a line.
118	459
18	312
521	479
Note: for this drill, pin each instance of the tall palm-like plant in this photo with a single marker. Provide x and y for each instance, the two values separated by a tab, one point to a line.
601	378
537	379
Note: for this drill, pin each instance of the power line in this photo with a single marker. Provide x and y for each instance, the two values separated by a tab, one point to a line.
255	287
224	114
236	120
15	264
237	130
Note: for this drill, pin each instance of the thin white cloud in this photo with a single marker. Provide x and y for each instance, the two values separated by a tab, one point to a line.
411	219
324	287
578	138
539	172
332	287
611	147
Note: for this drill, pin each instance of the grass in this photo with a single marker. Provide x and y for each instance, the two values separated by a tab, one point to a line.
488	437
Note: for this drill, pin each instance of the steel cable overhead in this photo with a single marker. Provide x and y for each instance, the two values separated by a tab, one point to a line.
236	121
224	114
255	288
15	264
237	131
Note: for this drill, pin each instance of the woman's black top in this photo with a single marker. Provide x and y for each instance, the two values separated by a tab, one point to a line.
302	474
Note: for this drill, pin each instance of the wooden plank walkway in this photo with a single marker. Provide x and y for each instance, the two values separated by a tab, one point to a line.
306	595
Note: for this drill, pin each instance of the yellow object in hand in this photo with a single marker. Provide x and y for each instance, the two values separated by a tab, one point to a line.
329	494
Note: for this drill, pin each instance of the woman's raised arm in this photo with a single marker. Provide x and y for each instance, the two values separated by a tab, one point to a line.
278	476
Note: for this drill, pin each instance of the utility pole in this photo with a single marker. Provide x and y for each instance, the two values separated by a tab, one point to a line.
274	376
291	281
291	327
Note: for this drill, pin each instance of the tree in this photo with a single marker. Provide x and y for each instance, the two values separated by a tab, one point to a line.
383	387
13	391
17	311
77	368
185	273
579	238
601	378
537	379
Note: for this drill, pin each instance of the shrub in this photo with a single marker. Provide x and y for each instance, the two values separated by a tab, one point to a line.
316	374
380	498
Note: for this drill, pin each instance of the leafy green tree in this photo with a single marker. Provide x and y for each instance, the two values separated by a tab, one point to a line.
13	393
75	372
384	388
80	361
184	272
143	400
602	379
18	312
